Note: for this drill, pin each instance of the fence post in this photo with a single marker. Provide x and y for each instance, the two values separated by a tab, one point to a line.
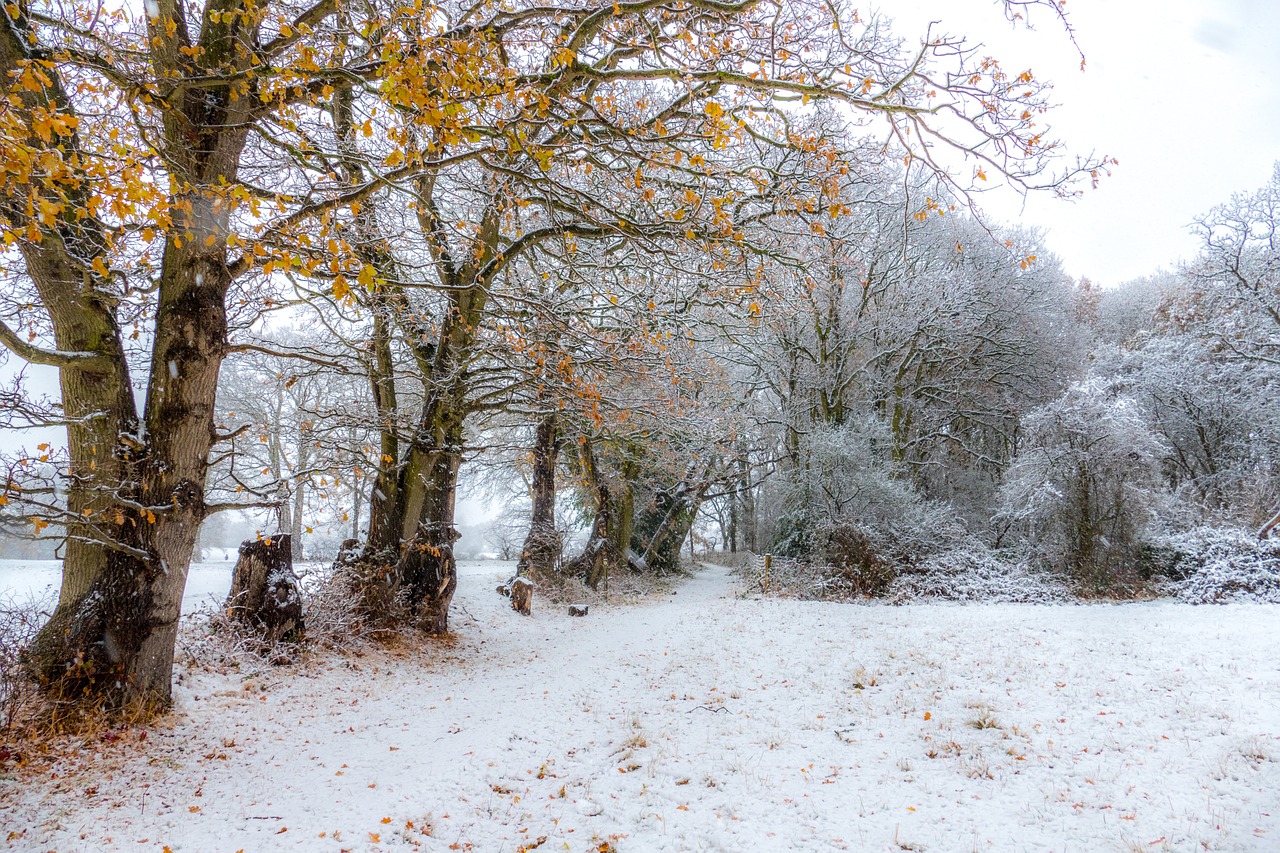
768	561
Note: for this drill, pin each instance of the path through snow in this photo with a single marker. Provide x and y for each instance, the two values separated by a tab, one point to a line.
708	722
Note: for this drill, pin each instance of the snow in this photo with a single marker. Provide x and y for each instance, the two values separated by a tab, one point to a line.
707	721
1211	565
207	582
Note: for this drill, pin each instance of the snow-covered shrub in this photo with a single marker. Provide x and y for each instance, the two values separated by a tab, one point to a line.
331	605
1211	565
1084	484
852	516
333	609
974	572
19	622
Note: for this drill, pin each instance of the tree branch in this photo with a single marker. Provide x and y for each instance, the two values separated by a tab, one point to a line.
51	358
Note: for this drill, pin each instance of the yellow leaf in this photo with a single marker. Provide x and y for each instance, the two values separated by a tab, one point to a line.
341	290
368	276
713	109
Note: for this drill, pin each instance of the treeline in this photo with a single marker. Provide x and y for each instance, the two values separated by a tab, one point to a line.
916	396
963	415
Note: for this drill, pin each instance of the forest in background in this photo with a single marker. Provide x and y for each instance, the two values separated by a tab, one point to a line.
930	397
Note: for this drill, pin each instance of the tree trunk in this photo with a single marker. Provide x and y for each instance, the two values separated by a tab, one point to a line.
663	551
427	572
600	554
264	589
384	511
113	635
97	395
299	502
1265	530
745	493
542	546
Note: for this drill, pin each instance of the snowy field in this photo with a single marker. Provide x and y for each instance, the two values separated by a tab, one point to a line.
208	581
709	722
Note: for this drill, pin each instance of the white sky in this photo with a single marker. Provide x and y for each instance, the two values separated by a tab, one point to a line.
1185	93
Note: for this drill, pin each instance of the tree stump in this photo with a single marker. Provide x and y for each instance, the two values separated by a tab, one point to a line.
522	595
578	609
264	589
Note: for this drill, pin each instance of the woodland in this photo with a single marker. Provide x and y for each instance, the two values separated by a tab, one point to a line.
677	274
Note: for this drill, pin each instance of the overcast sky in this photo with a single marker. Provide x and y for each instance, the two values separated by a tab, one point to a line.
1185	93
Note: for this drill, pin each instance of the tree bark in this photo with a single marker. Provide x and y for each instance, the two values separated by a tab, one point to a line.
427	570
542	545
264	589
663	551
600	554
1265	530
384	521
97	395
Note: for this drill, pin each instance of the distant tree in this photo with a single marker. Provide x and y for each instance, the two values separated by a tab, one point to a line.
1085	483
1236	278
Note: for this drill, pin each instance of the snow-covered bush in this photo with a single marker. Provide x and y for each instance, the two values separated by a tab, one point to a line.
974	572
334	609
851	514
19	622
1212	565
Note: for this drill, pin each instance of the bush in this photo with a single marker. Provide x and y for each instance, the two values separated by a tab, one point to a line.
862	563
334	602
19	696
974	572
1211	565
852	515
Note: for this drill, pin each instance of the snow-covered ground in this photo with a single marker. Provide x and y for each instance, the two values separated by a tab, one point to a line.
208	581
25	580
708	722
